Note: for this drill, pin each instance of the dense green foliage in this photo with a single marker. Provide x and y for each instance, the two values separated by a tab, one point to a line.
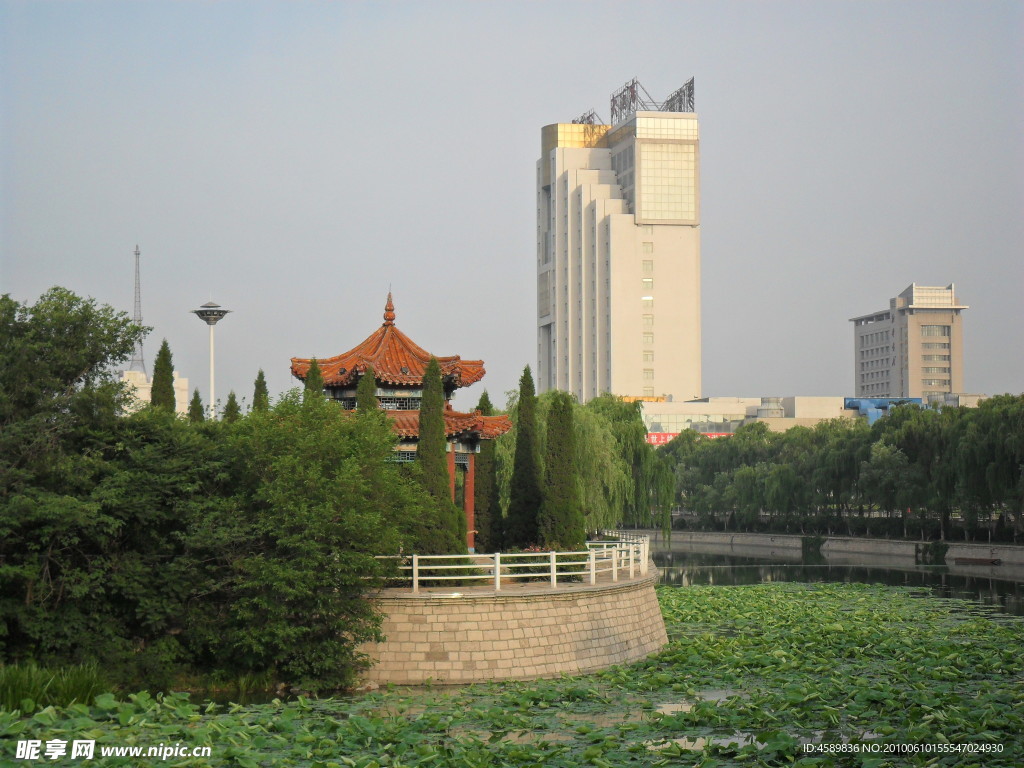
313	386
232	410
162	392
444	531
55	362
621	479
486	503
525	488
749	675
260	393
196	412
150	544
366	392
28	687
284	562
560	520
914	473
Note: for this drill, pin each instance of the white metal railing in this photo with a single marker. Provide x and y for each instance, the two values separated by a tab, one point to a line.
619	559
629	537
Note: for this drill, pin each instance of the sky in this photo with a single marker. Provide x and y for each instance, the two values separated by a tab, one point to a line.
295	161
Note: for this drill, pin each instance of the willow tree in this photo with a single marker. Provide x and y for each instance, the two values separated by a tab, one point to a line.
525	495
652	488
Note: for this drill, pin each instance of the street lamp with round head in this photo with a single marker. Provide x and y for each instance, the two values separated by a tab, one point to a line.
211	314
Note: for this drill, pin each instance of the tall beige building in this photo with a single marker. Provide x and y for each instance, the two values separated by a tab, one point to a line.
618	251
913	349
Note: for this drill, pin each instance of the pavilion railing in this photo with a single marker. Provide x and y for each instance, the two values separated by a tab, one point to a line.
605	559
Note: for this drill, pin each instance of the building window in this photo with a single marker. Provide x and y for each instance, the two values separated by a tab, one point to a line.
648	338
936	358
934	345
648	248
935	330
648	391
648	321
648	374
648	267
648	302
935	370
647	283
648	355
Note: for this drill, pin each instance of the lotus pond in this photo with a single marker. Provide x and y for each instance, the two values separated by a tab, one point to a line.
751	676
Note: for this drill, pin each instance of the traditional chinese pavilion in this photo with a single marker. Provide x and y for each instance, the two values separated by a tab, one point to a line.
398	366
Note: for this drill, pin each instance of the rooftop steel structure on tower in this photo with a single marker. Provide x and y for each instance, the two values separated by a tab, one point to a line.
137	363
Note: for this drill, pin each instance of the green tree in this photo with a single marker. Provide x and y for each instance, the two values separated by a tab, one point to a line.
366	392
314	385
56	359
288	558
486	502
525	494
232	410
560	519
446	532
196	413
162	394
91	502
260	395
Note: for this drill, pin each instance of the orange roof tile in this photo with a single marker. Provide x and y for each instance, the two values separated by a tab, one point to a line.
407	424
394	357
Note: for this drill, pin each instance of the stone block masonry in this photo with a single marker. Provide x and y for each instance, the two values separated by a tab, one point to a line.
481	635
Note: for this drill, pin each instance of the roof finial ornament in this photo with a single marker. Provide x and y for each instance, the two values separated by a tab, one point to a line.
389	311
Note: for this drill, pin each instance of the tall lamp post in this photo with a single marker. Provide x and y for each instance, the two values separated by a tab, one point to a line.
211	313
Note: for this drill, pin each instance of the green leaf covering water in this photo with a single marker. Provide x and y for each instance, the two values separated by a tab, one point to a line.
751	675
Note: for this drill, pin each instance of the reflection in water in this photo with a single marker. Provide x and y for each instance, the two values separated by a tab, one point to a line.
683	567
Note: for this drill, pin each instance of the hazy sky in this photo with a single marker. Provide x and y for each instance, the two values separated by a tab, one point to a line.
294	160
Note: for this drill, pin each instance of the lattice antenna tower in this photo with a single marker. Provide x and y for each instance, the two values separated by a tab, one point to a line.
138	363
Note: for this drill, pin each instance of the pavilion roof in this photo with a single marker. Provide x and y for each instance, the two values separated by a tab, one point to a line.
407	424
395	359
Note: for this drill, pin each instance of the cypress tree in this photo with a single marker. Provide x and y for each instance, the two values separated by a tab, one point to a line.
195	408
314	382
560	520
162	392
366	393
260	395
485	498
447	533
232	411
525	496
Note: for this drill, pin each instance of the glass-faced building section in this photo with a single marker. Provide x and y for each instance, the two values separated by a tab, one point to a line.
618	256
912	349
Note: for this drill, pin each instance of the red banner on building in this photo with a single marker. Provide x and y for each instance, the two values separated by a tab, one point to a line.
661	438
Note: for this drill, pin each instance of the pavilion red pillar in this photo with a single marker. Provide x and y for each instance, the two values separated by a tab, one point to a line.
468	492
451	470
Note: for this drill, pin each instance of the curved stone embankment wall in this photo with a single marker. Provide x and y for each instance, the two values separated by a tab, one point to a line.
536	633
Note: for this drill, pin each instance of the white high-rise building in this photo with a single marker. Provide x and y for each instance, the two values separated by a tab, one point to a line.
915	348
618	251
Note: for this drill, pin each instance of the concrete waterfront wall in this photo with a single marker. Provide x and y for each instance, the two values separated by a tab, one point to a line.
532	633
846	550
739	544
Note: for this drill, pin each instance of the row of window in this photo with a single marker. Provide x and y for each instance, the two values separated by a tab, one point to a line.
874	338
